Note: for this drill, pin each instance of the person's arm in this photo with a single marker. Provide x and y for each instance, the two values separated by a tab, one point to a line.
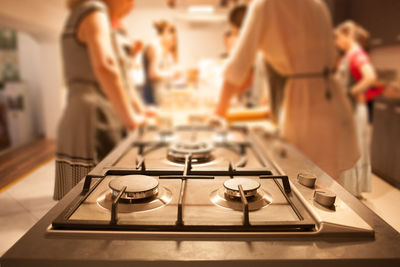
368	79
137	102
137	47
94	31
140	106
238	71
265	101
228	91
246	85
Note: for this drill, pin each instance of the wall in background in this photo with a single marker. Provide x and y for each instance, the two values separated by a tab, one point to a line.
196	41
387	58
52	86
39	23
29	59
38	67
43	19
379	18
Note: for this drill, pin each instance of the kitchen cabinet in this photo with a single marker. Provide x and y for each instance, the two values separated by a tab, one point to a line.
385	146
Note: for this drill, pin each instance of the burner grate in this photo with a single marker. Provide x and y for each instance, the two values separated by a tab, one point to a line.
232	170
187	173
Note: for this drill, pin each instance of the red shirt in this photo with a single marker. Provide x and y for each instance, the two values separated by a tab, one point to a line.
357	59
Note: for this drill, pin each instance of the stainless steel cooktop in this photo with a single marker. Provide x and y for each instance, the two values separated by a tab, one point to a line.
138	207
201	179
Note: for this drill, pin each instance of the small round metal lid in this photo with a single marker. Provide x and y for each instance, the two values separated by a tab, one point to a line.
134	183
191	147
200	151
249	186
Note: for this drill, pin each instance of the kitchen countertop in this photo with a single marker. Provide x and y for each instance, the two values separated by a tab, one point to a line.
38	247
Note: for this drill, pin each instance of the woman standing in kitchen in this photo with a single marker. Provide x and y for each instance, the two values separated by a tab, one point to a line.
295	38
356	74
160	62
99	109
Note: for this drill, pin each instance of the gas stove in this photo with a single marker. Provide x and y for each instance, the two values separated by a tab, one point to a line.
195	196
195	179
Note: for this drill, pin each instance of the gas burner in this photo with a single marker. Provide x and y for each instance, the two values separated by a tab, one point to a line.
166	135
249	186
137	187
200	152
221	135
229	195
142	193
190	184
163	197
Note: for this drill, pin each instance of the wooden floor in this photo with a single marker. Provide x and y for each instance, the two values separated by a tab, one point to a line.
20	161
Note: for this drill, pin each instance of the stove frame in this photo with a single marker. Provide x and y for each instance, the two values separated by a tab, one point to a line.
305	222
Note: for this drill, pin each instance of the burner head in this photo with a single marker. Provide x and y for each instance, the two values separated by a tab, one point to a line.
200	151
165	135
162	199
249	186
137	186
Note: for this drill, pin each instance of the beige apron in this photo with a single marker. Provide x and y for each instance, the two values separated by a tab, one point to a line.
297	37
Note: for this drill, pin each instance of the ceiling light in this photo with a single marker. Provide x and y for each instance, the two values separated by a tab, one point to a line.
204	9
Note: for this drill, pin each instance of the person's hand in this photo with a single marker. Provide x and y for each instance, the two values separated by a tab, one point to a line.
137	46
135	122
192	75
151	111
177	74
360	98
358	95
164	121
217	121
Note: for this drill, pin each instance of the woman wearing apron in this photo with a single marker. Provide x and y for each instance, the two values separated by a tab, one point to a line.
356	74
160	60
296	39
99	109
126	50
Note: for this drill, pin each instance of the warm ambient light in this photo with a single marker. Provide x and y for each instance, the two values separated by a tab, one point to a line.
201	9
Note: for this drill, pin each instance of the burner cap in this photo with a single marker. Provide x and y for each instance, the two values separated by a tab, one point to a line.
137	186
200	151
249	186
191	147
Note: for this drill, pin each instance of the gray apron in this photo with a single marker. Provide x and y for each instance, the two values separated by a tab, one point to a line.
89	128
